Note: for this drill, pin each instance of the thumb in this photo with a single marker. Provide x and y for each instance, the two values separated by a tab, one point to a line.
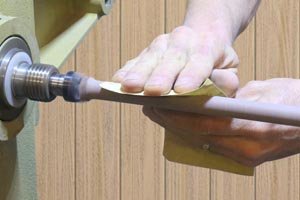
226	80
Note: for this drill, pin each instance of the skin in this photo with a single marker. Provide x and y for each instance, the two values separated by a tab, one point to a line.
202	48
248	142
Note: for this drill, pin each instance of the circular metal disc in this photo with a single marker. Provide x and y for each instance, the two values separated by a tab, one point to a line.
8	49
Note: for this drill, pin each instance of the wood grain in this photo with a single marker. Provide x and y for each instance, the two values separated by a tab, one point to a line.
98	123
142	165
182	181
55	147
99	150
277	53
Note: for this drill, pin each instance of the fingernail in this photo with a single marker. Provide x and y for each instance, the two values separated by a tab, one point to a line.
132	79
157	86
133	83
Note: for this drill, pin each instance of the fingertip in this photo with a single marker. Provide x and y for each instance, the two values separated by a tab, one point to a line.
133	86
193	75
155	90
226	80
158	85
185	85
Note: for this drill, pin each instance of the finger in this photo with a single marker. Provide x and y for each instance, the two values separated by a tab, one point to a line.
197	69
138	74
246	151
174	59
231	59
226	80
192	123
164	75
285	149
136	77
211	125
234	147
121	73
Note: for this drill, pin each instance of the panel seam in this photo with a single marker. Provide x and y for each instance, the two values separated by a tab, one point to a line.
255	77
75	137
165	161
120	105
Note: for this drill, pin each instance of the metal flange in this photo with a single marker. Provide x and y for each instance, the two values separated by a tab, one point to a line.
13	52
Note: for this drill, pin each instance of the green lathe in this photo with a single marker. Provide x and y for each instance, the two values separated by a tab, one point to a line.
39	31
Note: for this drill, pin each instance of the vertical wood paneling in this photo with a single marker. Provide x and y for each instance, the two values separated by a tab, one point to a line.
225	185
245	48
101	150
98	123
182	181
142	163
55	147
278	56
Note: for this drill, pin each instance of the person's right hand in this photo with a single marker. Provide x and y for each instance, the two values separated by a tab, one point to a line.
183	60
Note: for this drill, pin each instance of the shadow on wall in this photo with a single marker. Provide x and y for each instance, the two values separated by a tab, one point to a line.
8	155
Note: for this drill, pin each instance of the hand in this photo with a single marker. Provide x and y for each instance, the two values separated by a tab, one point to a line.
183	59
248	142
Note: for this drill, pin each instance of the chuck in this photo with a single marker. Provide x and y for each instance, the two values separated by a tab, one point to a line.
20	80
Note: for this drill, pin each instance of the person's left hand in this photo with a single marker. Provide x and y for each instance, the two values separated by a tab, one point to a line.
248	142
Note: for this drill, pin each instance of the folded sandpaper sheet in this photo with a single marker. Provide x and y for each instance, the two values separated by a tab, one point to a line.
177	147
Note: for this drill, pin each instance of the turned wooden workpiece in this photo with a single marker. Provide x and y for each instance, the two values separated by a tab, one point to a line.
201	101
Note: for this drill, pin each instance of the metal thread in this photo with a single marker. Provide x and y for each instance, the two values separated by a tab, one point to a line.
37	82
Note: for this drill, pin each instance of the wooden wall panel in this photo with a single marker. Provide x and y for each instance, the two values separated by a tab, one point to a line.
277	53
98	123
101	150
183	181
55	147
142	163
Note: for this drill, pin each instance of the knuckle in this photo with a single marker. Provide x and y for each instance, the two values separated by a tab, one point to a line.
144	52
182	37
236	61
160	43
160	38
182	30
131	62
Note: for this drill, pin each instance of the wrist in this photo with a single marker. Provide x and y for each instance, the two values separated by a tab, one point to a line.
216	17
216	29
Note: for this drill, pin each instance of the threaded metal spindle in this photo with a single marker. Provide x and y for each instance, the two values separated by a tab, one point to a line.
36	85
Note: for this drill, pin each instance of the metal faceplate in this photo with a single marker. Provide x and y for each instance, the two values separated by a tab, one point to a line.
13	51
